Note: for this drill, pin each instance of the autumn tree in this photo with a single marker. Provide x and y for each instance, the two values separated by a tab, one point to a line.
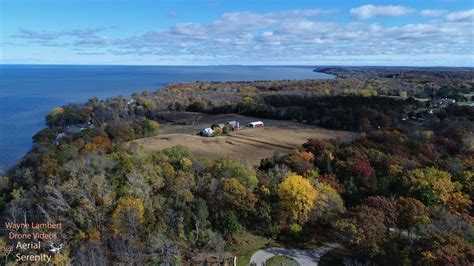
237	197
362	169
411	213
387	206
297	197
300	161
68	115
227	168
323	152
97	143
443	248
231	205
319	148
44	135
430	185
150	128
127	217
328	204
363	233
120	131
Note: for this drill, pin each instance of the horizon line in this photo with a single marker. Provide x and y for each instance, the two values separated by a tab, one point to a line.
243	65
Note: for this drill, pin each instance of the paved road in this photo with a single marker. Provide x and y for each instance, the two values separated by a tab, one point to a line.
302	256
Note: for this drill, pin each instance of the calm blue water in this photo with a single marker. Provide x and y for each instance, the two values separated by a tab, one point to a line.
29	92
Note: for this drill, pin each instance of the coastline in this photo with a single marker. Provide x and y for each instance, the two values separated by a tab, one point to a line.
24	107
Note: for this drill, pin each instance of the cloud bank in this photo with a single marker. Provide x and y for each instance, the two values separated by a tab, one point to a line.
291	36
461	16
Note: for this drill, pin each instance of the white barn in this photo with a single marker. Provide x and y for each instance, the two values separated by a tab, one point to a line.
256	124
207	132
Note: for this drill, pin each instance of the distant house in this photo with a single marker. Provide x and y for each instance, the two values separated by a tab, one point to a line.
441	103
74	129
58	138
207	132
234	125
256	124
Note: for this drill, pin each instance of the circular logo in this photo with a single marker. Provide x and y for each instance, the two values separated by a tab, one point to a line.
8	249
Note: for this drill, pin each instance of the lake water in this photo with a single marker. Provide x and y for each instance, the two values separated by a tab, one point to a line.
29	92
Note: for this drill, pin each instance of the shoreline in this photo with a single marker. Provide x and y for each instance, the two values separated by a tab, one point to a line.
46	102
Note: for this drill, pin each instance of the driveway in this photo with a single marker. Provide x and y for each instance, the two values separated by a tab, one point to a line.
304	257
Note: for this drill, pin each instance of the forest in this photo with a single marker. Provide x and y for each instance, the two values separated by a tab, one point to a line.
399	194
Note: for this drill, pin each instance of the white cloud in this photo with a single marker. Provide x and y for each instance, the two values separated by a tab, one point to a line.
235	21
460	16
370	11
299	13
432	12
286	36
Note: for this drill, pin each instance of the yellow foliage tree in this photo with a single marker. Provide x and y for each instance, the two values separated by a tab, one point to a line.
327	201
150	128
459	203
61	258
430	185
237	195
297	196
56	111
128	215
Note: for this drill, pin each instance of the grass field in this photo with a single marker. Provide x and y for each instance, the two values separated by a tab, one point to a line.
251	244
249	145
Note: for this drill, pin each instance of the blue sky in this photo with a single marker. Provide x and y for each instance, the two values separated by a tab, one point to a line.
178	32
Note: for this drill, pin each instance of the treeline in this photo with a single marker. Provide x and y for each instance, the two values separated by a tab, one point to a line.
353	113
462	73
423	82
126	119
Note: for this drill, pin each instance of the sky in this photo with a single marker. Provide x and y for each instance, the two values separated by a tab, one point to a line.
237	32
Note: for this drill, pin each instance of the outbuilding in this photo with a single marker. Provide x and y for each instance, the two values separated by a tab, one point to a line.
234	125
256	124
207	132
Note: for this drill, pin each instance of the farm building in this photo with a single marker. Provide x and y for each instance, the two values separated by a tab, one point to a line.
256	124
234	125
207	132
